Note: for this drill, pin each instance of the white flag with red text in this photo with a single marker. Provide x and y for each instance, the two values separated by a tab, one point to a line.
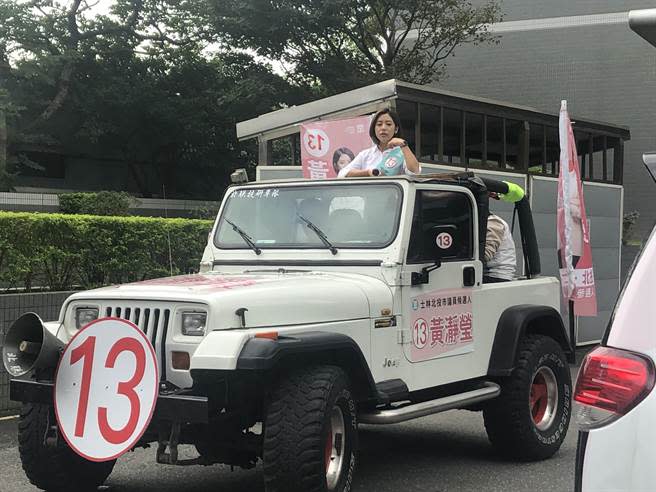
574	249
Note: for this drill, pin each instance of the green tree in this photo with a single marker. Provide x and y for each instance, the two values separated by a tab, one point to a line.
137	83
342	44
178	115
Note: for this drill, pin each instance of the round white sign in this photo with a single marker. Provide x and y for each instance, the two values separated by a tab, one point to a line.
106	389
316	142
444	240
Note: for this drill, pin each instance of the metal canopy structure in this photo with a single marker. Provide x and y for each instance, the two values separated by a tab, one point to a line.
285	121
445	127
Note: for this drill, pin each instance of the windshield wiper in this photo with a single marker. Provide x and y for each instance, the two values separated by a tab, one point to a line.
247	239
320	234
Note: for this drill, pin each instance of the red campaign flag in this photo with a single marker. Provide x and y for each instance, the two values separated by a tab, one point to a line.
574	249
327	146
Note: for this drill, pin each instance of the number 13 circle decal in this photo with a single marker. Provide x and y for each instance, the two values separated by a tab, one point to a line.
444	240
106	389
420	333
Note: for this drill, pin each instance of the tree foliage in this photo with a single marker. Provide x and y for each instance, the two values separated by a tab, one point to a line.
137	84
158	85
342	44
115	203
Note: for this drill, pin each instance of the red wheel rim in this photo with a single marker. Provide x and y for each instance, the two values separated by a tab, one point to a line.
328	451
543	398
538	398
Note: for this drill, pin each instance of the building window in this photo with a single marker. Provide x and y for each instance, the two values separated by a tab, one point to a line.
431	132
614	159
581	140
515	145
597	160
453	136
474	142
495	147
552	151
536	149
407	111
460	138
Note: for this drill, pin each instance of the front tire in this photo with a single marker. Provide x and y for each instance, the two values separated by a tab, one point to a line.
530	418
310	433
57	468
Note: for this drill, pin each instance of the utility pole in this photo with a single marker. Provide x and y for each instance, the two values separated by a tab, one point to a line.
4	101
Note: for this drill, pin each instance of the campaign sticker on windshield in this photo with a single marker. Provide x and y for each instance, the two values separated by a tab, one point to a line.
442	323
257	193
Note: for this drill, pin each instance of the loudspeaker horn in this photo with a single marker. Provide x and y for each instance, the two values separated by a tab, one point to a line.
29	345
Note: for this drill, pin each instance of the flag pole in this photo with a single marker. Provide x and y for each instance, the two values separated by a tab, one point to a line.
572	332
570	303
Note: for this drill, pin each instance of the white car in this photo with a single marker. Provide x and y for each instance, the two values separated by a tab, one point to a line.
614	397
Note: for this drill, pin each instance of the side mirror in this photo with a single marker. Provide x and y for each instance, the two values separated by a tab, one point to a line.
239	176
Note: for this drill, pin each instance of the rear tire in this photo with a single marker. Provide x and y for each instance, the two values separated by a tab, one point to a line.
58	468
529	420
310	433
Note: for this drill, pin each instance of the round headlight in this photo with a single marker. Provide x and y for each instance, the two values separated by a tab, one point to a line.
193	324
84	316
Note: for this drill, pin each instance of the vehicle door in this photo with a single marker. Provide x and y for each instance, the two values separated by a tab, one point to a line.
439	329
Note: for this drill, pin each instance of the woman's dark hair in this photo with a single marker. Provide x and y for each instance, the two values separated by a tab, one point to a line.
395	119
339	153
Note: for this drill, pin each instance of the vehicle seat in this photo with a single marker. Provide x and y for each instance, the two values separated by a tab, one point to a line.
346	225
315	211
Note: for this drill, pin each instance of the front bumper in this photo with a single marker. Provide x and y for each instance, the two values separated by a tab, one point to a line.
169	407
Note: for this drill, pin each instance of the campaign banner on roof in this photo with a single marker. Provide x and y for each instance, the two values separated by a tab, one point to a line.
574	248
328	146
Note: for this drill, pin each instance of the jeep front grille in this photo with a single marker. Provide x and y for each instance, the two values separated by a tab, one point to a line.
152	320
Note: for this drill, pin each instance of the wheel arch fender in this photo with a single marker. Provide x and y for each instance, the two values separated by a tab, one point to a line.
520	320
310	348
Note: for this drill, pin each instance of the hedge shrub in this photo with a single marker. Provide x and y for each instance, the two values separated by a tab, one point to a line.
61	252
100	203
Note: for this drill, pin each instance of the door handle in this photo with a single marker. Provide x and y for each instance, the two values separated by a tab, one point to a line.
468	276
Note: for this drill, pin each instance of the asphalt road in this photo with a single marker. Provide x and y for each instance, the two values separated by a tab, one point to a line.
444	452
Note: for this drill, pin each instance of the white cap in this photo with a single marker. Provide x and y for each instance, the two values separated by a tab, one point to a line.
563	105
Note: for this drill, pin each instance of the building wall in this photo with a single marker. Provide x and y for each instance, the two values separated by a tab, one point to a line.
604	70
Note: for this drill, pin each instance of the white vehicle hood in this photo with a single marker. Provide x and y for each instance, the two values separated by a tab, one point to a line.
271	299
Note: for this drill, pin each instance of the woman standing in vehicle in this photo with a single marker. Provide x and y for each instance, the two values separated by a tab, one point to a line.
390	155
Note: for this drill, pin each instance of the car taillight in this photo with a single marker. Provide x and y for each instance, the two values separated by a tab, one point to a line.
610	383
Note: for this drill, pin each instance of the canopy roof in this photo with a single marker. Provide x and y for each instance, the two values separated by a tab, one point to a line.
373	97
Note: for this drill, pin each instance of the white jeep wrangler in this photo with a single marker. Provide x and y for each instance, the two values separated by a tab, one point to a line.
321	306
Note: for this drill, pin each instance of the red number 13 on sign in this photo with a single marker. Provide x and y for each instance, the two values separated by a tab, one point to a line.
126	388
311	141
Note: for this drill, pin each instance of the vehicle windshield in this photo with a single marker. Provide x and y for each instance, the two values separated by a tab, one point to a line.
349	216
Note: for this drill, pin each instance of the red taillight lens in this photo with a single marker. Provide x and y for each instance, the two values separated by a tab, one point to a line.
614	380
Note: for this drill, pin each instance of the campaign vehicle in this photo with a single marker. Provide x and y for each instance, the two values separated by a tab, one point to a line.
615	400
319	306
